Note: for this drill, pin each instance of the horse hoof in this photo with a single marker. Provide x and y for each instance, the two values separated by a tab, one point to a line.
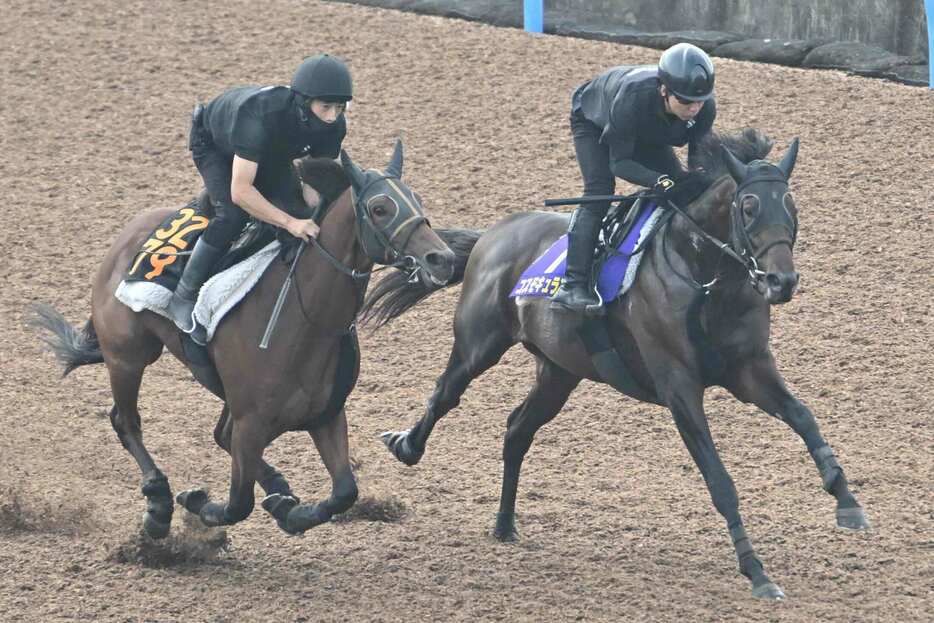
508	536
505	530
192	500
305	517
769	590
401	447
213	514
852	518
154	528
279	506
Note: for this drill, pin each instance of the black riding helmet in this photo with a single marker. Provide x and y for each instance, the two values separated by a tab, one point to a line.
323	77
687	72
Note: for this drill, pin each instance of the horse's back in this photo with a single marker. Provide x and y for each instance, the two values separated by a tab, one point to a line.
509	246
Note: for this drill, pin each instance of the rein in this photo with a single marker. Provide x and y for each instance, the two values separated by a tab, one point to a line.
748	262
405	263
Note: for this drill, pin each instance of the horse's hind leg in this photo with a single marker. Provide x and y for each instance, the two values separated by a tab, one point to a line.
553	385
125	379
268	477
330	439
760	383
476	349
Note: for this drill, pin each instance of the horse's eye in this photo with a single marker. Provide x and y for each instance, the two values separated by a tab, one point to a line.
750	205
379	210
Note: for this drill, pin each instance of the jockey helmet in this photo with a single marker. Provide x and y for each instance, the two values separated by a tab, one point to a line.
323	77
687	71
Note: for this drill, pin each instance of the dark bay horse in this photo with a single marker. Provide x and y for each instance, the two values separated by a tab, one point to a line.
675	336
292	384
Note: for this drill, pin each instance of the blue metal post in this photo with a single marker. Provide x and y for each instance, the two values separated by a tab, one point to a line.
929	10
534	14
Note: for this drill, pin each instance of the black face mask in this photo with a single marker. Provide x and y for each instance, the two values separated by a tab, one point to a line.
311	121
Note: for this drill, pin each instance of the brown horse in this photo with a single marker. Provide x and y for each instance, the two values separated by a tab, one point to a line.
300	381
673	336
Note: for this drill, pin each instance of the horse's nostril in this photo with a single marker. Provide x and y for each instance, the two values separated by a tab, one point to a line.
439	259
773	281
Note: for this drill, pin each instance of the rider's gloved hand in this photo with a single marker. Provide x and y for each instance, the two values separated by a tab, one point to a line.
663	185
684	190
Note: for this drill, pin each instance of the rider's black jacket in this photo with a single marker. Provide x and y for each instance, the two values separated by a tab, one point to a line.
267	125
625	104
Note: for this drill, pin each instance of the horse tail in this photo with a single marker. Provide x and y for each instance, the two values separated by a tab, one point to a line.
395	295
72	347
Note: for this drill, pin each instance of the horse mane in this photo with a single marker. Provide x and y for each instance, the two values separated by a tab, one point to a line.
747	145
325	175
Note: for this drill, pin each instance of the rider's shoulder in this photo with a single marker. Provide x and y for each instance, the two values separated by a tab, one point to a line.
258	99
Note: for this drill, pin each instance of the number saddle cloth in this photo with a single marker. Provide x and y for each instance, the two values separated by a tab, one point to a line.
616	273
156	269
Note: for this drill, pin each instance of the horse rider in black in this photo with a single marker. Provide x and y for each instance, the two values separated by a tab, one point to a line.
625	123
243	143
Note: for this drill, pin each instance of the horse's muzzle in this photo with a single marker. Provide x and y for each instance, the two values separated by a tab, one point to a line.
780	286
439	265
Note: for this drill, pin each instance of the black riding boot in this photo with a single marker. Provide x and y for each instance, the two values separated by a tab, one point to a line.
576	292
199	266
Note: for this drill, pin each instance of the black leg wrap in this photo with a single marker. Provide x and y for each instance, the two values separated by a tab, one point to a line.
828	466
193	500
276	483
155	484
159	505
749	564
279	506
400	444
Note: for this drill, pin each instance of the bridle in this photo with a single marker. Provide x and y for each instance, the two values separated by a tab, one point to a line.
740	248
380	244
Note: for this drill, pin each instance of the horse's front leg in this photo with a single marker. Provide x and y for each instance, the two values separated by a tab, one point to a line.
268	477
247	442
760	383
684	396
331	441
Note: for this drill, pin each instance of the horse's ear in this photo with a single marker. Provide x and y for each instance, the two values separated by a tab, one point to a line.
787	165
354	172
736	168
395	165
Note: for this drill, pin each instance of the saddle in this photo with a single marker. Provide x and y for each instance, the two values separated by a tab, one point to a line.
627	230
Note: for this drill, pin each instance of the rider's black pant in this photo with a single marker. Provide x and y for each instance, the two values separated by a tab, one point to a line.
593	157
229	219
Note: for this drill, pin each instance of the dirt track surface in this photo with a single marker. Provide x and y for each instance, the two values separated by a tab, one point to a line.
615	520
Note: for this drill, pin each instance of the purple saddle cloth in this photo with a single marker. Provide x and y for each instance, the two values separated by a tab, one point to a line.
546	274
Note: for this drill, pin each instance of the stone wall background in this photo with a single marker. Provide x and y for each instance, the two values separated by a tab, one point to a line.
877	38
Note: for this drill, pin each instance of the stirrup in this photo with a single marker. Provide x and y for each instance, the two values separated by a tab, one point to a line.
181	312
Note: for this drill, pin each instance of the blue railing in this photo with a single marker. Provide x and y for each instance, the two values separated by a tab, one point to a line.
533	14
929	11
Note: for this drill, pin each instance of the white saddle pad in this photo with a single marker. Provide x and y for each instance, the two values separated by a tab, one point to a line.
218	295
